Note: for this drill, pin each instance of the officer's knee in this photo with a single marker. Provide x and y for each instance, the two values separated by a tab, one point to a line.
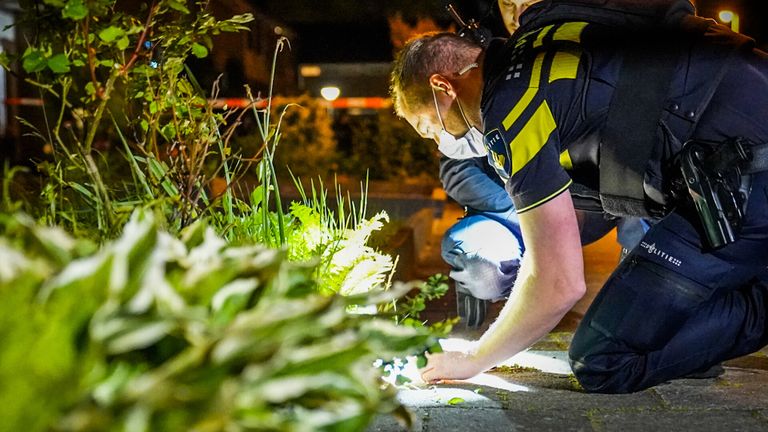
603	367
594	378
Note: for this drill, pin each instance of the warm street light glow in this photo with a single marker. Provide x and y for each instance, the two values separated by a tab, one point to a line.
330	93
731	18
726	16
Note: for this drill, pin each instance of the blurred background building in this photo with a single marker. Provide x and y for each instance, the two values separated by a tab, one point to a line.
339	53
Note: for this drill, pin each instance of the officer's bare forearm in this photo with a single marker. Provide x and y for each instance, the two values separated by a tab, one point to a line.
537	304
550	282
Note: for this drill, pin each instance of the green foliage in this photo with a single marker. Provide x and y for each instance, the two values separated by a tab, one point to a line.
180	322
305	135
347	265
39	354
118	83
158	333
408	310
389	149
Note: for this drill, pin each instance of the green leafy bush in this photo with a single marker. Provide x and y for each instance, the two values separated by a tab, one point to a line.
307	142
204	311
124	119
389	149
153	332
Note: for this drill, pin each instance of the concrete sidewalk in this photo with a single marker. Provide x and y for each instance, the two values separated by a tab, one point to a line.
536	392
521	398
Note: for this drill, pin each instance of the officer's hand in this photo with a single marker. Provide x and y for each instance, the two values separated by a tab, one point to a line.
449	365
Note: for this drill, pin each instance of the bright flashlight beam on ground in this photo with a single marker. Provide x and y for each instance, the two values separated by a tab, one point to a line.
731	18
330	93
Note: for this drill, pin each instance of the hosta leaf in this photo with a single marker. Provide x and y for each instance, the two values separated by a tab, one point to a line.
93	270
387	337
336	416
193	235
139	336
232	299
15	264
283	389
341	350
106	392
133	252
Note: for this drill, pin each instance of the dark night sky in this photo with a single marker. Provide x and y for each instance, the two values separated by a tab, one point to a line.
353	30
357	30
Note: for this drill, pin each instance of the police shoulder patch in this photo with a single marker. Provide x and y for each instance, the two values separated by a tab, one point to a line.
498	152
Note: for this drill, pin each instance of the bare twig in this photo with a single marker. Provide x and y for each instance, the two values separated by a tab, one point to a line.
142	39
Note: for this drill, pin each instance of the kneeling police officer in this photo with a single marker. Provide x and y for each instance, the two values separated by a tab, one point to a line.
640	110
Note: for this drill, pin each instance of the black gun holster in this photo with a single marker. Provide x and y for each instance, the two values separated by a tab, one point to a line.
716	175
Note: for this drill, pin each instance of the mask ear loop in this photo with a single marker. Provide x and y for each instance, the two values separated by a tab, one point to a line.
437	107
461	110
466	69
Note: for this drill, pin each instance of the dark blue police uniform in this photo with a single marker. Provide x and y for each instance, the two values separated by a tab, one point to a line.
672	307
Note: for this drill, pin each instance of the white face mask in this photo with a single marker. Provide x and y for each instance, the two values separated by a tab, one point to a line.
467	147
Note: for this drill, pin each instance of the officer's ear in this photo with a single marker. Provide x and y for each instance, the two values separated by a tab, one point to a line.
441	84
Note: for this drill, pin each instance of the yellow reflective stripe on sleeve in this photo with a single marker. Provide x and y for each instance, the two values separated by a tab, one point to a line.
527	97
542	201
565	65
569	32
565	160
532	137
542	34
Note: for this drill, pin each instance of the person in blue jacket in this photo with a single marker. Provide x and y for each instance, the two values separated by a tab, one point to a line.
485	247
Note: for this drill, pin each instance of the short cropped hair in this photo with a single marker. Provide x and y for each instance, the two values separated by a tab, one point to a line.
427	54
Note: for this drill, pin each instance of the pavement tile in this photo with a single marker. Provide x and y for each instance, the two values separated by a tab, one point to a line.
549	421
490	420
560	392
737	389
387	423
670	420
485	420
757	360
526	400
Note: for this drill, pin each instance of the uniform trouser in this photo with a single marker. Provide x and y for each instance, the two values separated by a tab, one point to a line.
671	309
